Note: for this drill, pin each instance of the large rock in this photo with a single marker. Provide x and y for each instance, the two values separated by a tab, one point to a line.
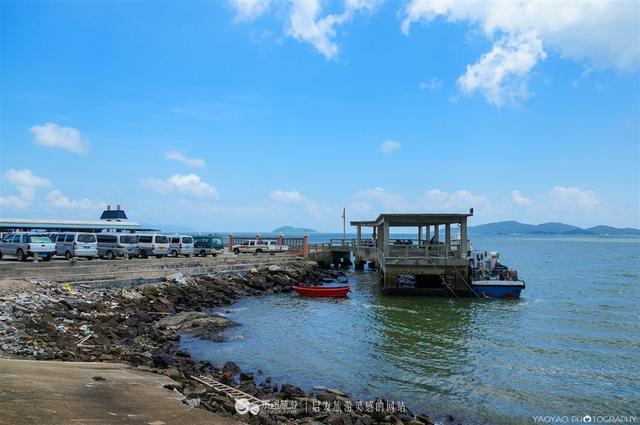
194	319
260	282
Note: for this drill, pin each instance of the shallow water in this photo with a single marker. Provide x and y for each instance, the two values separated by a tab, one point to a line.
569	346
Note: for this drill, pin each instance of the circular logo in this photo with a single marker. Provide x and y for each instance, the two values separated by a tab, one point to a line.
254	409
242	406
586	419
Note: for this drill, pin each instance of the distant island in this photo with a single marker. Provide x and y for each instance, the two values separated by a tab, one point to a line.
516	228
291	229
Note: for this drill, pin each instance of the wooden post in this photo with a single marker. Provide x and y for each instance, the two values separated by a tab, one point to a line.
447	239
359	235
428	234
281	239
230	242
305	246
436	232
419	235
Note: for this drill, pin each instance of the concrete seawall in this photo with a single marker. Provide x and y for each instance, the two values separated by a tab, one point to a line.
49	392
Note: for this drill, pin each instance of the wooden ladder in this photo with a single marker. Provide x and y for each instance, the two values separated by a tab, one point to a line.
234	393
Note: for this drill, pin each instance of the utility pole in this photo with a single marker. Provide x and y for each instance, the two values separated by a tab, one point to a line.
344	224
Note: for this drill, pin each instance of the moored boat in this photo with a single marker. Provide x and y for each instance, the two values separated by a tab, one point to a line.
322	291
490	279
498	288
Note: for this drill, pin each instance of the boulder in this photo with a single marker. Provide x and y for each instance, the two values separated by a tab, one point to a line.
231	368
260	282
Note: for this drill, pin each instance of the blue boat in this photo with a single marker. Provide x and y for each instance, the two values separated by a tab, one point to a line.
498	288
490	279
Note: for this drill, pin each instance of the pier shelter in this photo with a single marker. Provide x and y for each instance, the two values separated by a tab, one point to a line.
431	264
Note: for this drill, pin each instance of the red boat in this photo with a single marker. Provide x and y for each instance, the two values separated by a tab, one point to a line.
322	291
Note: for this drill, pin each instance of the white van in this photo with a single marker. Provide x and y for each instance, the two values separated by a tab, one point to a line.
77	245
181	245
153	244
111	245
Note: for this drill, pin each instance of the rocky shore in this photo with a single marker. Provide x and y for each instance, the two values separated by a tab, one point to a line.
141	326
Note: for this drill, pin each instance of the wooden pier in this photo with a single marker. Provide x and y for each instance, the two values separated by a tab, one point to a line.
431	264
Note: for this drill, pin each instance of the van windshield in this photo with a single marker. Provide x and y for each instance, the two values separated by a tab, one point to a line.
187	240
128	239
162	239
86	238
40	239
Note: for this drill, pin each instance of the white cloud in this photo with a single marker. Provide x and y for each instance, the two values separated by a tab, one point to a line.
460	200
433	84
295	197
14	202
190	184
55	136
249	9
501	74
189	162
26	183
604	33
56	199
304	23
520	199
286	196
389	146
572	197
378	198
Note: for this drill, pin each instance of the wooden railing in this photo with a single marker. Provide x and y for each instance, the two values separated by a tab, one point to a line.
406	250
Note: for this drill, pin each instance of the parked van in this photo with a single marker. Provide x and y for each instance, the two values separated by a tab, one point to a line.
111	245
181	245
208	245
153	244
77	245
23	245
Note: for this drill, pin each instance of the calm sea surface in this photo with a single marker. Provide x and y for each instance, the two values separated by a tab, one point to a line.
570	346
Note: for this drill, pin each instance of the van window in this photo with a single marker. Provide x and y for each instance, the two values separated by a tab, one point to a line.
107	238
9	239
175	240
86	238
128	239
202	242
187	240
162	239
68	238
40	239
217	241
144	239
60	238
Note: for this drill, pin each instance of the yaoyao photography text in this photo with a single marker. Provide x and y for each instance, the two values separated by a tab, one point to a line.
585	419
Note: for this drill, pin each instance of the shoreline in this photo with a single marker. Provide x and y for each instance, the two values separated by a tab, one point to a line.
141	327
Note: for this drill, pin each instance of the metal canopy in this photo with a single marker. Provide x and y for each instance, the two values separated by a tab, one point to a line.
67	224
410	220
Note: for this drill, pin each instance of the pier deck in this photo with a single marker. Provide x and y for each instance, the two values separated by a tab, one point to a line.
436	263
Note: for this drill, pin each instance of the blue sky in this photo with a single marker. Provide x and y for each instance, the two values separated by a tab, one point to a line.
250	114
